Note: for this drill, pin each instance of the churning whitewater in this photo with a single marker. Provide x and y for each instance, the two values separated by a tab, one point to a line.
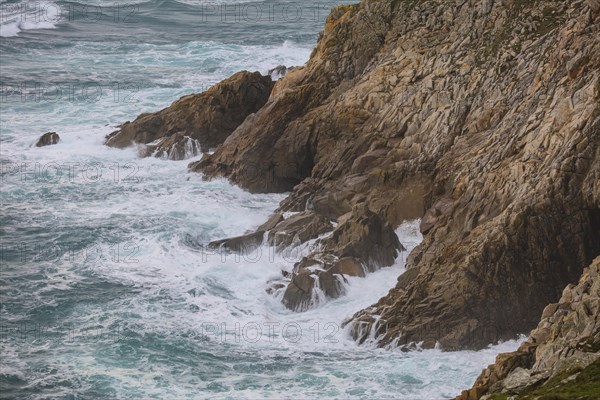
107	287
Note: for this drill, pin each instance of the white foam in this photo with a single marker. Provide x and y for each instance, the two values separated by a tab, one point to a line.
28	15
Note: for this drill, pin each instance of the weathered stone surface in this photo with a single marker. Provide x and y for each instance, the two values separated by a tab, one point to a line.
271	222
208	117
361	243
348	266
487	114
309	288
567	339
364	236
298	229
47	139
176	147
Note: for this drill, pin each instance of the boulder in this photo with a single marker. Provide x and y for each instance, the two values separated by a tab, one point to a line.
364	236
48	139
348	266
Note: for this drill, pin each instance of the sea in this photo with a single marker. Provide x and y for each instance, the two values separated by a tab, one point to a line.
107	287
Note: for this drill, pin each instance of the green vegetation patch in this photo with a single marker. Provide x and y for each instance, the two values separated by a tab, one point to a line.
586	386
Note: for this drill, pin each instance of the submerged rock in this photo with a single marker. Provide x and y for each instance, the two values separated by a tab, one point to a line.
245	244
47	139
208	118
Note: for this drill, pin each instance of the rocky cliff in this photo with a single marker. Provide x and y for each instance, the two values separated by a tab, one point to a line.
561	357
481	117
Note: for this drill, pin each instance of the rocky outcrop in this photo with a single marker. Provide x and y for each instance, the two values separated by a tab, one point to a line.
557	353
205	119
482	117
47	139
360	243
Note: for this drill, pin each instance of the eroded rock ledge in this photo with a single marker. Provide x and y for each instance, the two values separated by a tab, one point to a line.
560	354
481	116
197	122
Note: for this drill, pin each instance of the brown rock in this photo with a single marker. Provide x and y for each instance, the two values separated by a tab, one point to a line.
207	117
298	228
573	345
300	295
364	236
176	147
48	139
271	222
348	266
493	105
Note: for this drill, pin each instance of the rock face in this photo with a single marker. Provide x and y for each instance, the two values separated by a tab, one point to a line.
48	139
565	342
483	117
207	118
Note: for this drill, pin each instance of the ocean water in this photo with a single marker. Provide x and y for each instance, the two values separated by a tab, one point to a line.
106	288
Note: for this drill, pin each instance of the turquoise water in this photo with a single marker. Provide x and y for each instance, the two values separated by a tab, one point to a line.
106	288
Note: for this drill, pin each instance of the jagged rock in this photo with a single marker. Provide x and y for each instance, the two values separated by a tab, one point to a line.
492	107
208	117
364	236
48	139
176	147
300	294
298	229
361	243
271	222
570	342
